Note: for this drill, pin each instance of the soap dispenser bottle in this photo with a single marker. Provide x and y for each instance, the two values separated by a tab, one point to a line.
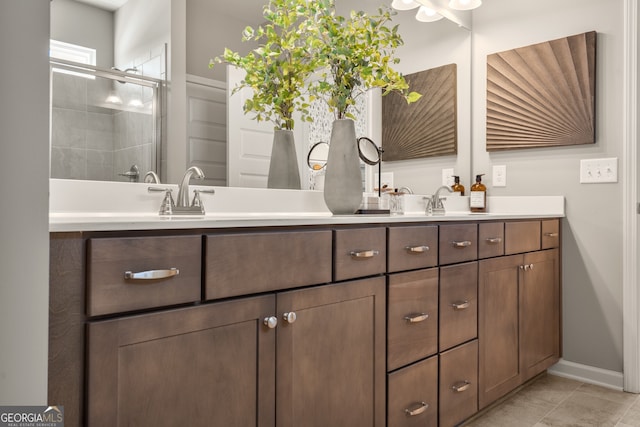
457	187
478	199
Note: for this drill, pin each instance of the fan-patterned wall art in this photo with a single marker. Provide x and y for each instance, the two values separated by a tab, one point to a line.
427	127
542	95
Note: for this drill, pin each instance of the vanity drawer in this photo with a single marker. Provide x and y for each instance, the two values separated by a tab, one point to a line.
411	248
458	243
247	263
111	263
359	252
458	304
521	236
413	395
550	233
458	384
490	239
412	318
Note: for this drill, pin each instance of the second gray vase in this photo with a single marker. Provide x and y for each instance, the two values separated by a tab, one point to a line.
343	179
283	167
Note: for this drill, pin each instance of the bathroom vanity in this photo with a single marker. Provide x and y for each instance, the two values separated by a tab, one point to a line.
306	321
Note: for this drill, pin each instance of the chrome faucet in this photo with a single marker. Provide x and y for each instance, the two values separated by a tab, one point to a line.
151	178
183	193
405	189
434	203
183	206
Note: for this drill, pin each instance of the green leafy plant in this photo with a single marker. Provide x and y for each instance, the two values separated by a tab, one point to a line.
278	68
357	54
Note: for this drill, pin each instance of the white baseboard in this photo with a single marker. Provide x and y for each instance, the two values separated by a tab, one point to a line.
588	374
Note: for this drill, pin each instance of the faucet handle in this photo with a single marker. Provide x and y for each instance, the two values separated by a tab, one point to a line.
196	197
166	208
429	204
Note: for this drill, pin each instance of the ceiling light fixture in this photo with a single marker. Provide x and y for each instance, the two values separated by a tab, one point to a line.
426	14
464	4
404	4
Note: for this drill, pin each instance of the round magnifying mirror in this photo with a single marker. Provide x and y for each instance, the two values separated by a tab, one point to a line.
369	151
318	154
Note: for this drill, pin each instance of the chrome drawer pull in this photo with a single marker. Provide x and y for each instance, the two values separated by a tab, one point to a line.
151	274
364	254
494	240
462	244
417	249
461	386
460	305
550	234
416	318
412	413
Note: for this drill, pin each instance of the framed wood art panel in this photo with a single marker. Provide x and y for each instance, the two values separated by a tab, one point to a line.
543	94
428	127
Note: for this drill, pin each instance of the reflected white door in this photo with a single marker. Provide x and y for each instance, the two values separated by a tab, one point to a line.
207	128
250	141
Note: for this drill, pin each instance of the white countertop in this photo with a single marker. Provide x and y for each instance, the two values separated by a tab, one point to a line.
99	206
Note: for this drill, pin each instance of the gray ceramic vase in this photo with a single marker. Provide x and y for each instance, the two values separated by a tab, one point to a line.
283	167
343	179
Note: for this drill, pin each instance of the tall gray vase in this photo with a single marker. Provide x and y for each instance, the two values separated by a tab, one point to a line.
283	167
343	180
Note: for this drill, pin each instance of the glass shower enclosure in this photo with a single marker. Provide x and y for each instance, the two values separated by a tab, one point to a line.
106	125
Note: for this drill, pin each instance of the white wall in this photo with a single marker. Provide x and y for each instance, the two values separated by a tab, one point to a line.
140	26
84	25
24	186
592	230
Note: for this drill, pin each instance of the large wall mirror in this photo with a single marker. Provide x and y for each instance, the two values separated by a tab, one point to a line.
210	26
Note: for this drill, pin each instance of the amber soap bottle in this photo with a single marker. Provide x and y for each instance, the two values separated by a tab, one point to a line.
457	187
478	199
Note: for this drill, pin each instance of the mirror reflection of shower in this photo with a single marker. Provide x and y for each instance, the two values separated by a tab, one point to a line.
103	121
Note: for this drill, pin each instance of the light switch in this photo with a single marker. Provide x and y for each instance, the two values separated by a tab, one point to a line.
447	177
500	175
595	171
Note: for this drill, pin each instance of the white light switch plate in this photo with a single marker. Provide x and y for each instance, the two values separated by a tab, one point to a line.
594	171
500	175
447	177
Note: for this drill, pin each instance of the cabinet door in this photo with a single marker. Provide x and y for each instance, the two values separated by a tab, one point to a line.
330	360
499	367
540	312
199	366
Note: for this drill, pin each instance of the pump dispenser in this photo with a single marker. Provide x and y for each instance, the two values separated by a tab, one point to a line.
478	199
457	187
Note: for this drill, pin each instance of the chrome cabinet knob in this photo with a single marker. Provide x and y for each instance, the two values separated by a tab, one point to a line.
289	317
271	322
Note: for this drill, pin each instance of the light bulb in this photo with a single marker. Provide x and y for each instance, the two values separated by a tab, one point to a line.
404	4
426	14
464	4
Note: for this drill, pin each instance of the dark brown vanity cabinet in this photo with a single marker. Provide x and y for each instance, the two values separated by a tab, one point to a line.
361	325
519	312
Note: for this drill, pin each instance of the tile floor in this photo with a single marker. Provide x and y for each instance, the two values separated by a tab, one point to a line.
552	401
